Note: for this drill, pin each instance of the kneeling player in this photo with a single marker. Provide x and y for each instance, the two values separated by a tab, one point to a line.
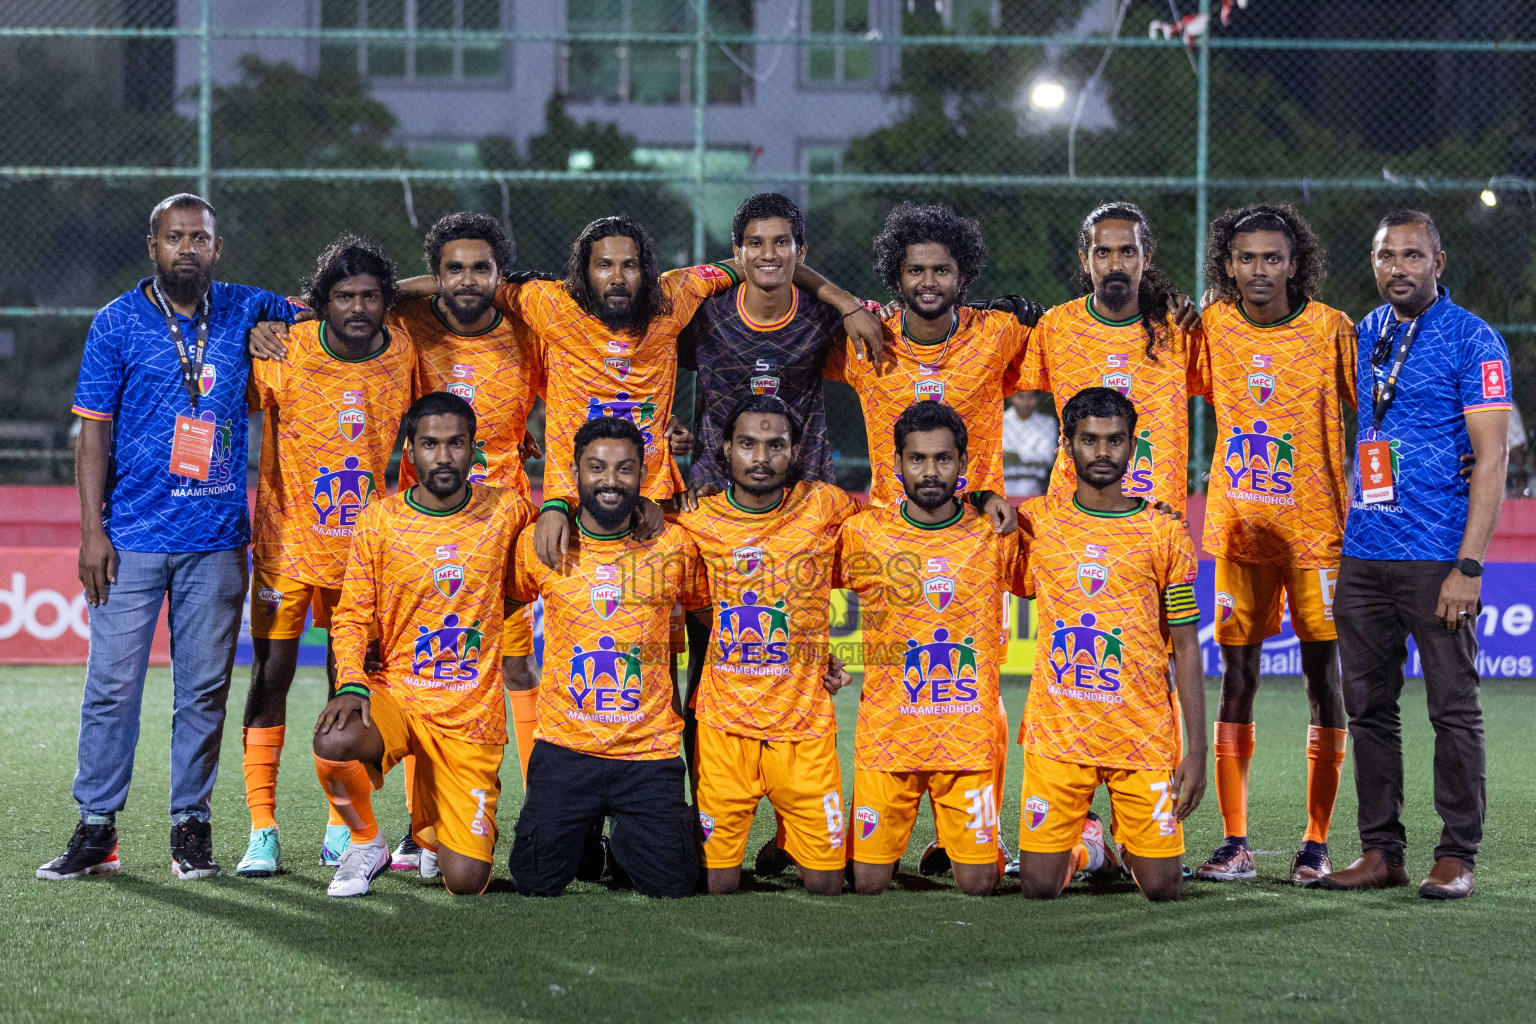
428	570
1114	581
767	727
930	574
607	739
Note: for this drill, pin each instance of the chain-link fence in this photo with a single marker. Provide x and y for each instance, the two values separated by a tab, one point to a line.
302	119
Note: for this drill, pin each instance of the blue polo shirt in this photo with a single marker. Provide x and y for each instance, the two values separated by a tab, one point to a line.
1458	364
130	374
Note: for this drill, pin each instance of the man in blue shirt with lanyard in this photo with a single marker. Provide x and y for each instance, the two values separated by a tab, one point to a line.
1433	387
161	472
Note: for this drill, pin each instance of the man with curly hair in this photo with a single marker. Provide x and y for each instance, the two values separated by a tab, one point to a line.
1279	365
1129	332
332	409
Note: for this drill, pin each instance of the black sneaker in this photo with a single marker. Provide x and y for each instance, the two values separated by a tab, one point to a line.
772	860
92	850
192	849
935	860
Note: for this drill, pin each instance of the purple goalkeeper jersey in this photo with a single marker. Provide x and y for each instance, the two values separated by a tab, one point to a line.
737	357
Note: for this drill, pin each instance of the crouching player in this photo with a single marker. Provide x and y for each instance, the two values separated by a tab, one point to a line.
767	727
1114	582
607	739
428	570
930	574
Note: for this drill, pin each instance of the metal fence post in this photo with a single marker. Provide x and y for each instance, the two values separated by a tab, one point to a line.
204	101
700	99
1202	213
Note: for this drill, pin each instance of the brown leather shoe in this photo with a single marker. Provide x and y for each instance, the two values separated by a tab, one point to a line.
1371	871
1450	879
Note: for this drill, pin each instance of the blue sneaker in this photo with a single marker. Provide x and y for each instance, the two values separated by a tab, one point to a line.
263	854
337	839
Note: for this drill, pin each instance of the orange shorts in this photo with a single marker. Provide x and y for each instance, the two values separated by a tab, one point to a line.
803	781
278	605
1058	796
885	807
1248	602
517	633
453	802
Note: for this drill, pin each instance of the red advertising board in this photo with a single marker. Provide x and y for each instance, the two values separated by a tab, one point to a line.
44	619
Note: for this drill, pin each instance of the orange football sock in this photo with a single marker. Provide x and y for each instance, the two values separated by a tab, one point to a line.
334	818
263	752
525	718
1325	762
351	793
1234	750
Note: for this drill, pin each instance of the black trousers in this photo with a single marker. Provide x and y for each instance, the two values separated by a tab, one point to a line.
1377	606
653	835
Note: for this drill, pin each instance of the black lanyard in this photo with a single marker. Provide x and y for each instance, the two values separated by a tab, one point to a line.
1386	390
191	364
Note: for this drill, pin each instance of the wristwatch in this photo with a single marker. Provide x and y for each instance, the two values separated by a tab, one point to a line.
1469	567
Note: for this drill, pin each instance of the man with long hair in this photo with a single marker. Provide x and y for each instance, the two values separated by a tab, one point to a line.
1280	363
1129	332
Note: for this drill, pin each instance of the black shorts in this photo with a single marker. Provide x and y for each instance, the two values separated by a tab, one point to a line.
653	835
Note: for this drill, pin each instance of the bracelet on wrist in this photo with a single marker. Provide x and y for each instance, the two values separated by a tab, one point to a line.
355	690
556	505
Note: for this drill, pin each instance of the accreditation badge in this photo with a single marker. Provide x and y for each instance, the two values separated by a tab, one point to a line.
1378	483
192	447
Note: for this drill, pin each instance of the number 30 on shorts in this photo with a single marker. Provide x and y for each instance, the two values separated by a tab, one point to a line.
981	811
832	804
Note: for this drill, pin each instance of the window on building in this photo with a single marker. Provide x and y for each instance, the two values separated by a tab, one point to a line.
852	62
820	160
425	60
653	73
718	202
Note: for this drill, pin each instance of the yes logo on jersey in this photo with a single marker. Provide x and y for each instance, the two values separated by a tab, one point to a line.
1091	577
640	412
350	422
480	464
1260	464
1086	657
338	496
1224	606
756	633
448	579
1139	475
608	678
1261	382
747	560
451	652
928	390
866	820
1117	374
941	671
1035	812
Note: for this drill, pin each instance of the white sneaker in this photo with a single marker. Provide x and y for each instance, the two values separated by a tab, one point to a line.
361	863
428	867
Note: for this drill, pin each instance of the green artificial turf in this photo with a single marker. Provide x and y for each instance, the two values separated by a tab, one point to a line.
143	946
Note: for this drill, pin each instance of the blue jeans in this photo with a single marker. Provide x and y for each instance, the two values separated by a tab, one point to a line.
206	591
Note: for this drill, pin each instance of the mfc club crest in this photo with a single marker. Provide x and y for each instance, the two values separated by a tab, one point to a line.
1035	811
1092	576
706	825
928	391
617	365
463	390
866	820
448	579
351	422
1117	373
1224	606
1261	385
1085	657
765	384
747	559
939	591
207	378
270	598
606	598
